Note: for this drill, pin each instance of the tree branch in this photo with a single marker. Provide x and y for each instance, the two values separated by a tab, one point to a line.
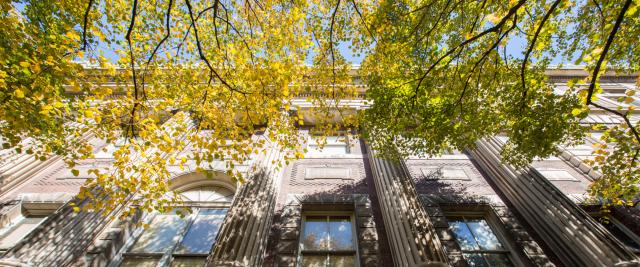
155	50
493	29
212	71
596	71
333	60
84	26
134	11
530	49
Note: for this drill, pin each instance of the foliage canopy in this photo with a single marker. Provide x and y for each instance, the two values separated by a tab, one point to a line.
438	74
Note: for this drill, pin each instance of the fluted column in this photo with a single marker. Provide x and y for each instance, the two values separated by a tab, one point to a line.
242	240
575	237
411	233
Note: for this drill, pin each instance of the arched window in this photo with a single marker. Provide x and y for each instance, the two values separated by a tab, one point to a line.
172	240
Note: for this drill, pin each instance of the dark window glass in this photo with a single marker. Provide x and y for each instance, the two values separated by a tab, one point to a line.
479	244
621	235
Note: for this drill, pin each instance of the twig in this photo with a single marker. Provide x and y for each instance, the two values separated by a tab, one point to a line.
530	49
596	70
84	27
495	28
212	71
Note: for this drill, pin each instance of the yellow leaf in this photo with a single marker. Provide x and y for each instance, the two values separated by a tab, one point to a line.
76	209
25	64
44	110
576	112
493	18
19	93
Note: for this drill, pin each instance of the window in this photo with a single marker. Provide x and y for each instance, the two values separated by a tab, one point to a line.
622	233
328	240
170	239
334	145
444	173
479	244
556	174
17	230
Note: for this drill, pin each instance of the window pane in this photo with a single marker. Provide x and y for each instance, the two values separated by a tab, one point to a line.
342	261
463	235
316	233
314	261
327	149
621	235
17	232
484	235
188	262
341	233
202	233
474	259
162	234
498	260
139	262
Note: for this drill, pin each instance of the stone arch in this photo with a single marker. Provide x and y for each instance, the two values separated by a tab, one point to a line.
192	180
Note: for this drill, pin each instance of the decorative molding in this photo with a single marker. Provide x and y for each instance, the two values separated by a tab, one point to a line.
298	176
291	218
311	173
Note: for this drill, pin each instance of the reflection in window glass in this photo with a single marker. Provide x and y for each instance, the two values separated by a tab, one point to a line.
162	234
188	261
341	260
171	240
314	261
139	262
484	235
341	233
316	233
202	233
478	242
328	241
187	240
625	236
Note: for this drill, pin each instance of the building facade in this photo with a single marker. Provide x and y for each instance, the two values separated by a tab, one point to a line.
339	206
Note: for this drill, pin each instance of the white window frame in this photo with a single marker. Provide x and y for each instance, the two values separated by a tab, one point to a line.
328	253
496	227
166	258
10	228
311	141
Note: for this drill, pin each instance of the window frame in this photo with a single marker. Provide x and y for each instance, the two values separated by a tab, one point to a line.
167	258
328	253
311	141
13	226
496	227
623	228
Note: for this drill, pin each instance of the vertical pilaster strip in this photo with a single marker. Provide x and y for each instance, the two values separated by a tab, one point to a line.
411	233
242	240
575	237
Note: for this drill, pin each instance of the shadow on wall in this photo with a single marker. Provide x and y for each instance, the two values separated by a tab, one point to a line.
355	197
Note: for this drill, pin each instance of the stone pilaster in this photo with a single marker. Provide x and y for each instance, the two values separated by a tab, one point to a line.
411	233
575	237
242	240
